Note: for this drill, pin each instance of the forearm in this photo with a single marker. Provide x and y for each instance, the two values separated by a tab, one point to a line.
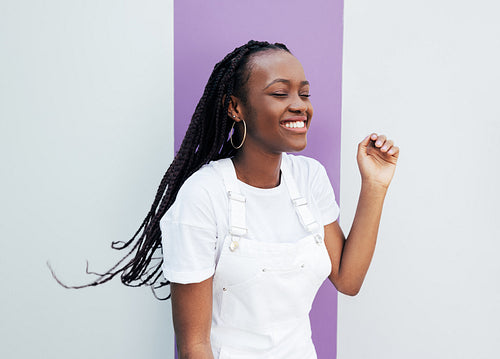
360	243
201	351
192	316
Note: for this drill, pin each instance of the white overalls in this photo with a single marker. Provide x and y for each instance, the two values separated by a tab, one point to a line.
263	291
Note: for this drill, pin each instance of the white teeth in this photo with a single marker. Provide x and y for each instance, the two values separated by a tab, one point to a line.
298	124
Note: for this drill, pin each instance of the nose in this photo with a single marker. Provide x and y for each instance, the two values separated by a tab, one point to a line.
298	105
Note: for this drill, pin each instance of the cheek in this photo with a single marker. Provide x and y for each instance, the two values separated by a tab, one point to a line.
263	116
310	109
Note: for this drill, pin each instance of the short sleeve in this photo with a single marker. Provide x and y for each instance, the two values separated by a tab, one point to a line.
324	196
189	235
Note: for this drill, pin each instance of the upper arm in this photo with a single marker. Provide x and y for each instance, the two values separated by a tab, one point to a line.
189	233
192	317
334	241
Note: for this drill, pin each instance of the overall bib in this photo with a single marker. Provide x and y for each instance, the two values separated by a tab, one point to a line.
263	291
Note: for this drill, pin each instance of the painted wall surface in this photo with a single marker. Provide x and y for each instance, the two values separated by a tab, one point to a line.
86	133
427	74
205	31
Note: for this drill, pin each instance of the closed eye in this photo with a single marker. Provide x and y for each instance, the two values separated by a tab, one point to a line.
284	95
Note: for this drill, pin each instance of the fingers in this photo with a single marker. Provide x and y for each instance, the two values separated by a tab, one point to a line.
387	145
381	142
394	151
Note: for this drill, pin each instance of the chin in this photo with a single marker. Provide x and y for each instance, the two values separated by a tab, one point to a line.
297	147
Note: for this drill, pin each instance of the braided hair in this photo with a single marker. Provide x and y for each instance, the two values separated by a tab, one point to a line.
206	139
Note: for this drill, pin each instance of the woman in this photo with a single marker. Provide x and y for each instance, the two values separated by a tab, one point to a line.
250	232
245	262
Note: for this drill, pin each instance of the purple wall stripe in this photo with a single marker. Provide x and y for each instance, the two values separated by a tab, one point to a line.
204	31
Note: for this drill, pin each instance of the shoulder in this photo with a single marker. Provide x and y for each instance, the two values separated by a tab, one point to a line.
314	183
205	182
302	161
309	173
304	167
199	196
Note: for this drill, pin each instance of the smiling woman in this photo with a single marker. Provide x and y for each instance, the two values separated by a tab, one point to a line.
249	232
277	112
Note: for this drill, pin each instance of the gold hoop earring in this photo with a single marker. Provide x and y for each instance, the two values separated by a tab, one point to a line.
244	135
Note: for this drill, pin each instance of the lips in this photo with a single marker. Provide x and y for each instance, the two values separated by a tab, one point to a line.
296	124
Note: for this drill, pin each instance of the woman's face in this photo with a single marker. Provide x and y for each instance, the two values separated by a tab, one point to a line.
277	110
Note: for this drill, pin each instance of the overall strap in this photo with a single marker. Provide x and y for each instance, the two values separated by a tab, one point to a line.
300	203
237	212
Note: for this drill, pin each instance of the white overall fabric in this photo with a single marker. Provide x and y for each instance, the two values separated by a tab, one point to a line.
195	226
263	291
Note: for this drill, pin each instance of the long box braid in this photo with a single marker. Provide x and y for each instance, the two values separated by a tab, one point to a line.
206	139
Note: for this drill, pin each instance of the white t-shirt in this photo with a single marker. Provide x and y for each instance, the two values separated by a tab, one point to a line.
194	227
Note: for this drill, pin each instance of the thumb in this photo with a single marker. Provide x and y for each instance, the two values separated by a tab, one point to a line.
366	141
364	144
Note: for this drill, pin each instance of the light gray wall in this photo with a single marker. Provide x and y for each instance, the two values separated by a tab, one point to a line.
427	74
86	128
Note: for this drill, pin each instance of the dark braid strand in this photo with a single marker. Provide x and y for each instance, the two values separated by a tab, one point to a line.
206	139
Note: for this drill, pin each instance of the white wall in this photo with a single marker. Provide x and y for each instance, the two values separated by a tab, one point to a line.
427	74
86	128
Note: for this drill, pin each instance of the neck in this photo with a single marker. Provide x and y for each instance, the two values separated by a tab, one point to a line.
258	169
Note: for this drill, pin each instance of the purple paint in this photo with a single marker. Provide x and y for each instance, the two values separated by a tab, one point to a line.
204	31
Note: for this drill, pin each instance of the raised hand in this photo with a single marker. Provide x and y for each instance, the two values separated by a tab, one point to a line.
377	158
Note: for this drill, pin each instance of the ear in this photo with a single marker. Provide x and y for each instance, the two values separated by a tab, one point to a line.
234	110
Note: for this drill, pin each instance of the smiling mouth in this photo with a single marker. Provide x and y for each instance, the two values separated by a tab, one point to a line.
297	124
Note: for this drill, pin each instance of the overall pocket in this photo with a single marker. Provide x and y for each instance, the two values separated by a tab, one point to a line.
271	298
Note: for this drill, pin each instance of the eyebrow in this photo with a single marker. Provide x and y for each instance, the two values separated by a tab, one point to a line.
302	83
